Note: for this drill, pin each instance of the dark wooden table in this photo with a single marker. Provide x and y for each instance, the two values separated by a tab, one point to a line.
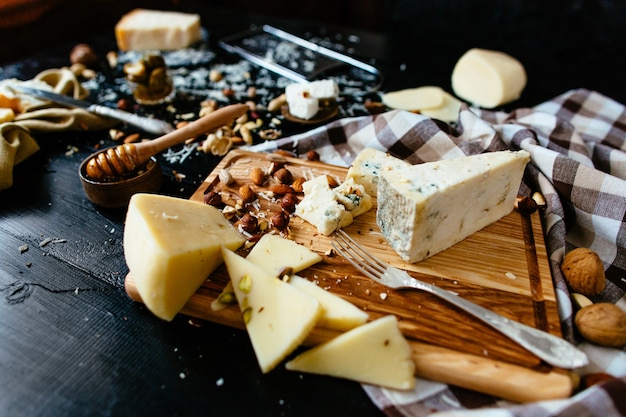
73	344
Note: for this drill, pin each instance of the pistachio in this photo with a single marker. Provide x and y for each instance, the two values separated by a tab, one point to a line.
245	284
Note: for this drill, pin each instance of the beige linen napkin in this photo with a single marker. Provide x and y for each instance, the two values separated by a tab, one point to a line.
17	141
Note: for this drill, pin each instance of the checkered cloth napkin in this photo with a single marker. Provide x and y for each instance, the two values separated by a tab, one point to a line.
577	143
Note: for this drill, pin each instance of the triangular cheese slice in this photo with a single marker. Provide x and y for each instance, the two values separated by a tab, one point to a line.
277	315
171	246
337	313
374	353
274	252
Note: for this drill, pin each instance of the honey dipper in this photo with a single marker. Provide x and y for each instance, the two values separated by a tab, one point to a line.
119	161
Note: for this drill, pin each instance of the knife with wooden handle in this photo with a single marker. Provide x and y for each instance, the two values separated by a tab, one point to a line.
149	125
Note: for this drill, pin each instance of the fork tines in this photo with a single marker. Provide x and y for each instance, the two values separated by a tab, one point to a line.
358	256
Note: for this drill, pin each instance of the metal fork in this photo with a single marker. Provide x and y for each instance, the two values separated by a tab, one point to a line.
552	349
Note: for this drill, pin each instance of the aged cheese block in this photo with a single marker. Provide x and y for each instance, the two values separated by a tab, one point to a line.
148	30
426	208
277	316
488	78
171	245
367	166
328	208
374	353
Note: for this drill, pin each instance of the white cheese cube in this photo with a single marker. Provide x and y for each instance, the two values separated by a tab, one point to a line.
374	353
426	208
303	107
323	89
171	246
488	78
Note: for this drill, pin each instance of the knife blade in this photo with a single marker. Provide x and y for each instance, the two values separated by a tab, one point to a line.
149	125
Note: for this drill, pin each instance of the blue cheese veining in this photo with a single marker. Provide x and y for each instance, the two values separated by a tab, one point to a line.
330	209
426	208
367	166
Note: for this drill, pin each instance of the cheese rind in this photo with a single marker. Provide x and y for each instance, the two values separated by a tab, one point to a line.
426	208
171	246
277	316
367	166
145	30
374	353
330	209
488	78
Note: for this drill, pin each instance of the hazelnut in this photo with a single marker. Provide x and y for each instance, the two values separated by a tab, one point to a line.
213	199
280	220
248	223
124	104
246	193
297	184
288	202
257	176
584	272
281	189
312	156
603	324
283	176
274	167
83	54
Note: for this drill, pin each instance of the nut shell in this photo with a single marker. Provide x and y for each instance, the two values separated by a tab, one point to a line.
584	272
603	324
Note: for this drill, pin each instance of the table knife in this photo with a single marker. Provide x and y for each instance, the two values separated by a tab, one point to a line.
149	125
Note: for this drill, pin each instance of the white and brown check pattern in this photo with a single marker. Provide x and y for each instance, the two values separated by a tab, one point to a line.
577	143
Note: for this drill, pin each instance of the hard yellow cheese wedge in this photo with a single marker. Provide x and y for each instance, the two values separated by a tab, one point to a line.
171	245
277	315
374	353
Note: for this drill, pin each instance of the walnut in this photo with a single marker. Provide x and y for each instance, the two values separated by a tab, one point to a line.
584	272
603	324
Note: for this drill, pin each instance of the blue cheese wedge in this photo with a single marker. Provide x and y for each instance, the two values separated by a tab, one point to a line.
330	209
374	353
426	208
277	316
367	166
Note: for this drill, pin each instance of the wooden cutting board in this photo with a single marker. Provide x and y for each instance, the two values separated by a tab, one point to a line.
496	267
